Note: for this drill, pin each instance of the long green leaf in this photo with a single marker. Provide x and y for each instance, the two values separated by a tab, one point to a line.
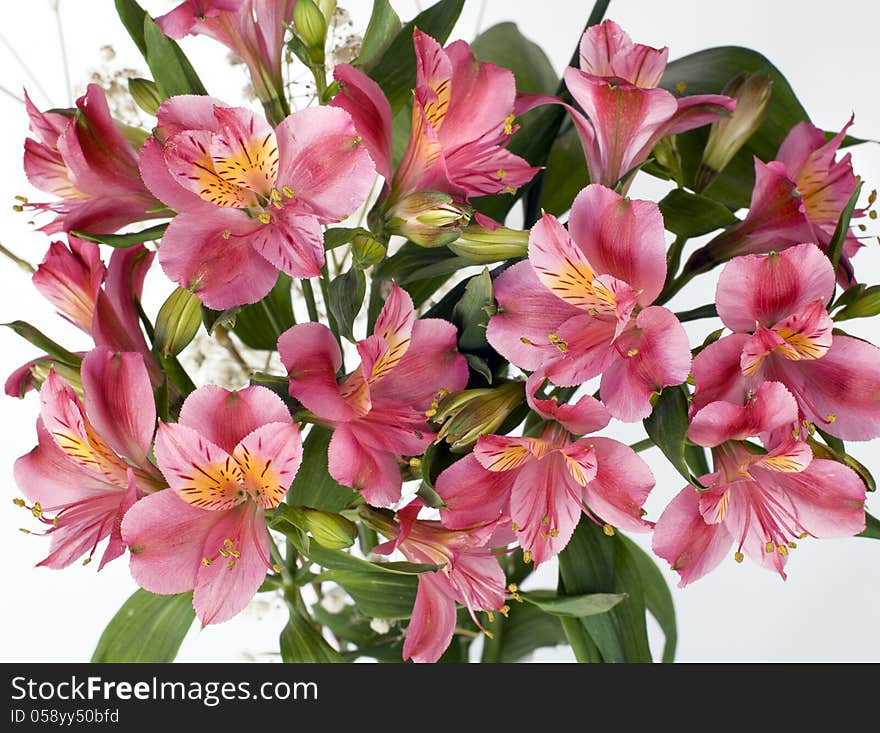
148	628
119	241
42	341
872	528
691	215
260	324
504	45
835	246
384	25
132	16
171	70
589	604
471	313
377	594
300	642
347	293
667	426
526	629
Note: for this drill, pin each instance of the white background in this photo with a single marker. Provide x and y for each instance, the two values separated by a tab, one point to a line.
827	610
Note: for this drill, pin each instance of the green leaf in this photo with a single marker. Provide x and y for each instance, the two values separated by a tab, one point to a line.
41	341
314	486
260	324
132	16
171	69
566	173
526	629
347	293
658	597
573	606
395	72
471	314
300	641
504	45
377	594
407	266
835	246
667	426
384	25
872	527
691	215
119	241
435	460
338	560
148	628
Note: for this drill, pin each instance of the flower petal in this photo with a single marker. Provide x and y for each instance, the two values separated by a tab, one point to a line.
432	623
473	495
607	50
375	473
292	243
621	486
717	373
587	415
269	459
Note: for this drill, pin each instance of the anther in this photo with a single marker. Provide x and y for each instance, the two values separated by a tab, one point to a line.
608	530
527	556
738	556
264	217
769	547
87	561
19	502
288	191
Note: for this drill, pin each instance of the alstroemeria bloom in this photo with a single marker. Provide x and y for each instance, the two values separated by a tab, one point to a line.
469	574
99	300
626	113
252	29
231	456
543	484
378	411
462	119
91	462
775	305
581	305
252	199
761	502
84	159
797	198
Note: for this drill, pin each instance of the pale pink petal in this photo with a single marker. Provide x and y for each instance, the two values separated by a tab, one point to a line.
225	417
621	237
188	112
717	374
116	545
697	110
365	101
473	495
162	183
800	142
269	459
227	585
292	243
527	313
324	162
482	168
375	474
477	581
767	288
119	401
214	256
500	453
432	624
607	50
772	407
621	486
654	354
587	415
81	526
70	278
166	541
692	547
311	356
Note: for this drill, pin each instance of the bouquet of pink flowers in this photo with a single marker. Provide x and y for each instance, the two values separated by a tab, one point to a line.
453	297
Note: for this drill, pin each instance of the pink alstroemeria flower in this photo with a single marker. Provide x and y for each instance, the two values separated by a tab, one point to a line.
463	116
797	198
544	484
231	456
252	29
469	574
84	159
99	300
775	306
378	411
252	199
91	462
626	112
760	502
581	305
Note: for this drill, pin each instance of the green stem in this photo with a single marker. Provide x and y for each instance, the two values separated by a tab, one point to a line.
492	644
641	445
673	258
672	289
695	314
23	264
176	374
585	650
289	587
309	294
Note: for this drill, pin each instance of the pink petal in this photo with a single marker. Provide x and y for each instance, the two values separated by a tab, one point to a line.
323	162
227	585
654	354
432	624
226	417
393	329
691	546
621	237
621	486
292	243
269	459
119	401
311	356
607	50
81	527
587	415
70	279
800	143
767	288
473	495
166	541
375	474
365	101
587	350
697	110
717	374
772	407
500	453
527	313
161	182
116	546
224	271
482	168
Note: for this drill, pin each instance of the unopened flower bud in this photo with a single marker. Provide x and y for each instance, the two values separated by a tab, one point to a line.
729	134
427	218
310	24
178	322
483	246
366	251
332	531
665	152
865	305
467	415
145	94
